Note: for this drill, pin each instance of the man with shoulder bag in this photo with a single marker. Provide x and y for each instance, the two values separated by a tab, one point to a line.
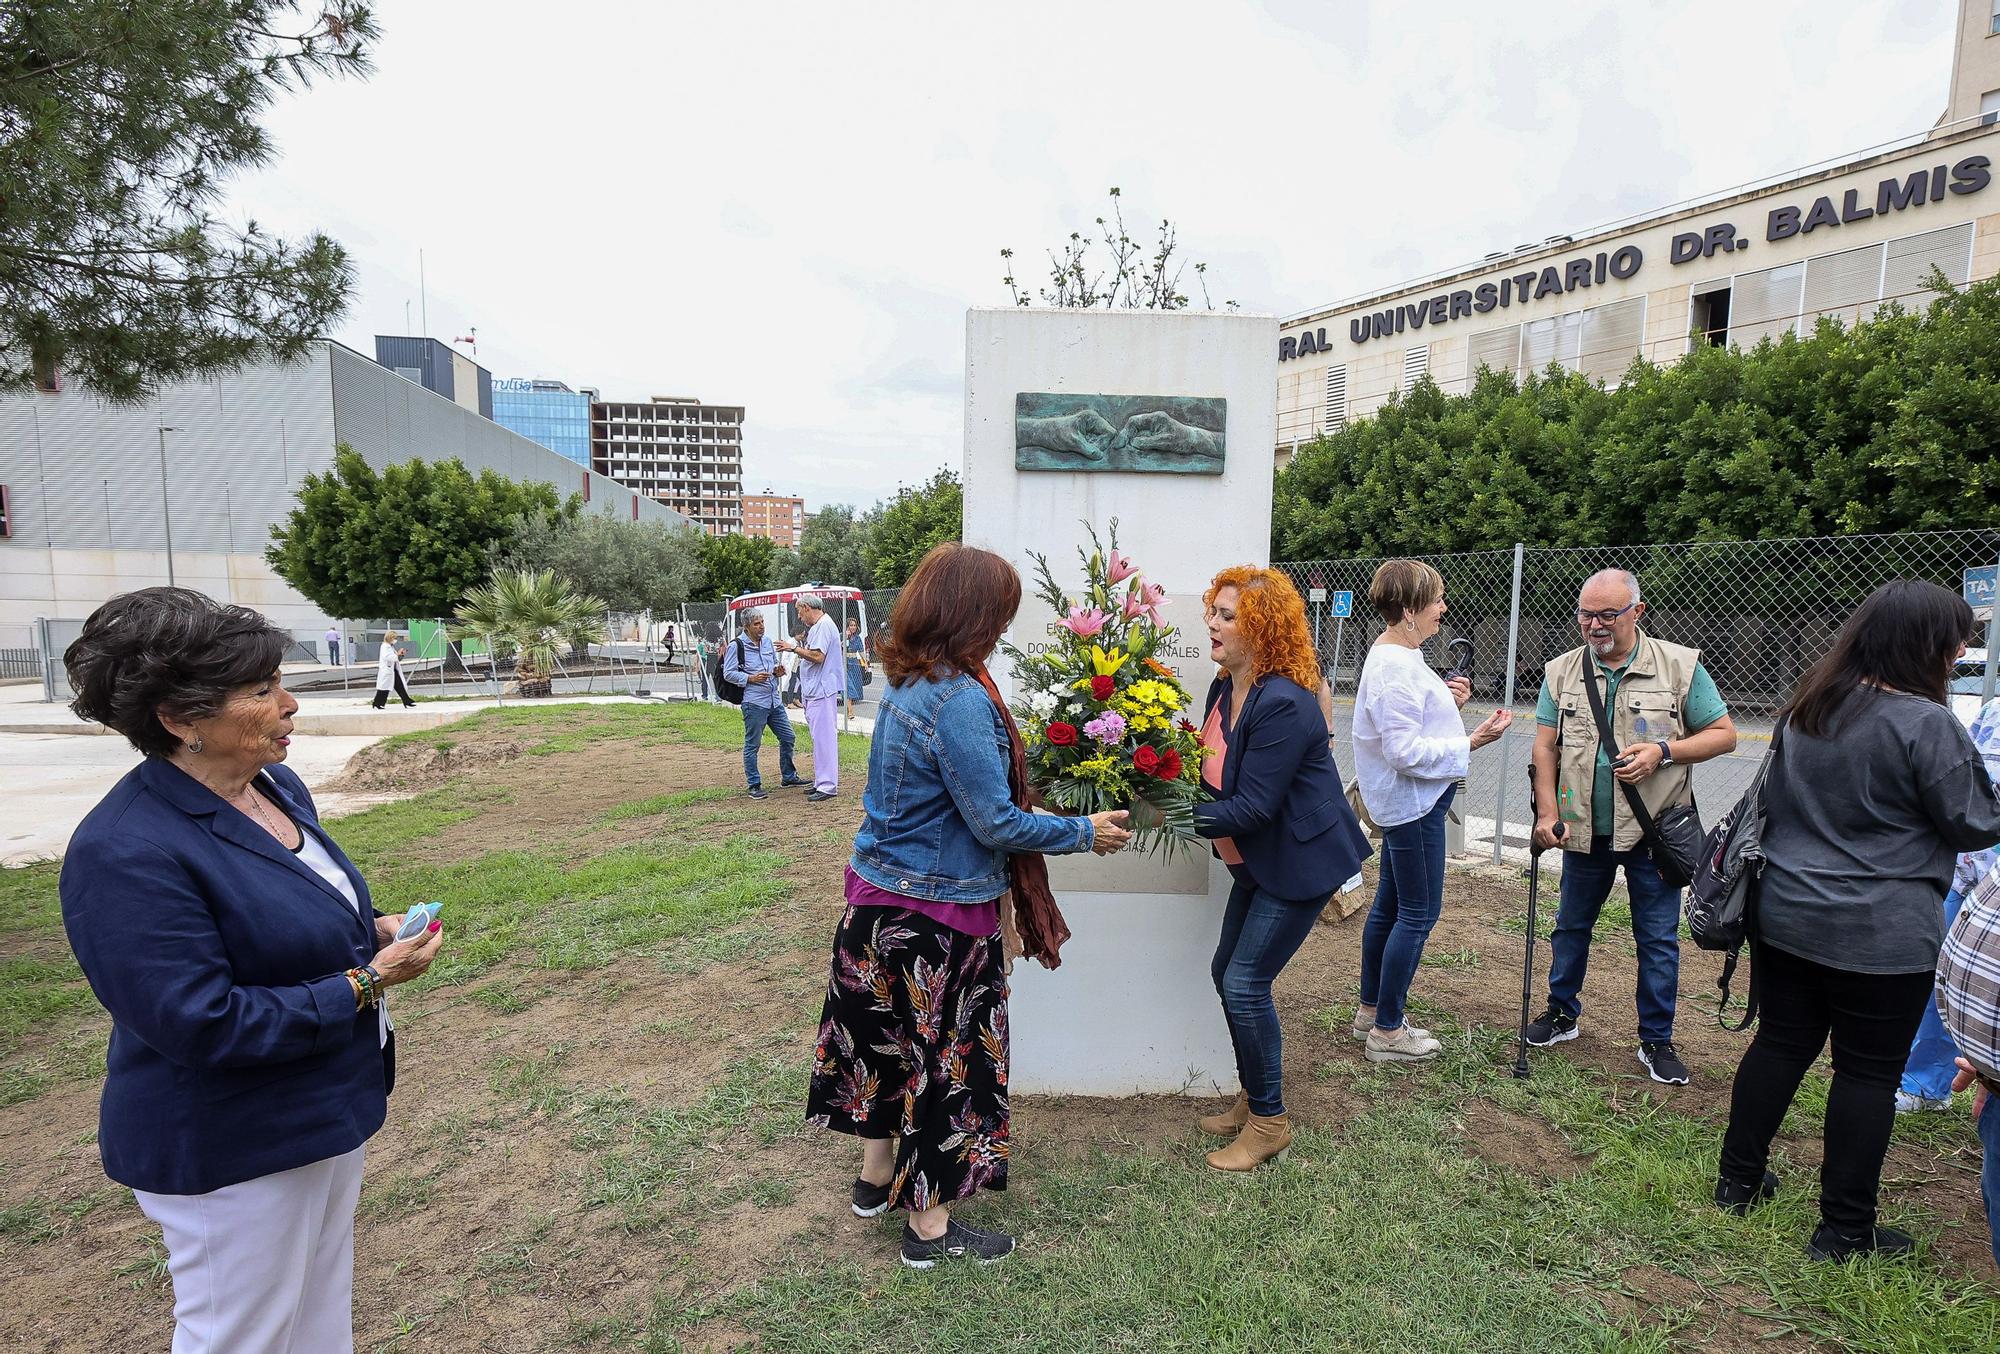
1621	721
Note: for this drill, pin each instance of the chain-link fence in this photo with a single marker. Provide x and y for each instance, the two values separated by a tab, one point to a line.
1761	612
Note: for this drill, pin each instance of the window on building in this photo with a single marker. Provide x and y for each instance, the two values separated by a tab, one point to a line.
1336	399
1993	26
1989	105
1610	339
1497	349
1416	361
1766	303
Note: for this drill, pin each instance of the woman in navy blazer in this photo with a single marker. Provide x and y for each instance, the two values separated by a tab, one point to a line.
242	962
1279	820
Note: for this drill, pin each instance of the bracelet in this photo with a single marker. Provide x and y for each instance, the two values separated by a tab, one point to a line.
367	986
375	982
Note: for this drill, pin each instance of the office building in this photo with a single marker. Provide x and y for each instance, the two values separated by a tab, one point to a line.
678	451
774	517
547	412
440	368
1835	241
100	496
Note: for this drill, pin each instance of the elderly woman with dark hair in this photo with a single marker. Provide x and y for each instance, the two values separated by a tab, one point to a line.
912	1050
243	965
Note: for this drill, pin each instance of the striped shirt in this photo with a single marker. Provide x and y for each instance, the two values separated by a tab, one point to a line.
1968	976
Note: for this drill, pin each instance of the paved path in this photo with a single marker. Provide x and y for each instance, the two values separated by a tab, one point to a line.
53	780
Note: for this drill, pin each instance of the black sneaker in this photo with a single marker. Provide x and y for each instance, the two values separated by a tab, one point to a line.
759	792
1551	1027
988	1248
1665	1064
870	1201
793	784
1740	1199
1827	1244
819	796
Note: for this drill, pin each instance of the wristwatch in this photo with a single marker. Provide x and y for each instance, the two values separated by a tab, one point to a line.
1666	754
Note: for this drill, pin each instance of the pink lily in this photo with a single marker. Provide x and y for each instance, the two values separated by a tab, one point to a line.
1144	600
1119	569
1085	624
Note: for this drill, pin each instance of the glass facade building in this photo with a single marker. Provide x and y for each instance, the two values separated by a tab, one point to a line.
547	412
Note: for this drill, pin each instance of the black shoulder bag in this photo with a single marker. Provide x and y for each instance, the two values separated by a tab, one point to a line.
1676	836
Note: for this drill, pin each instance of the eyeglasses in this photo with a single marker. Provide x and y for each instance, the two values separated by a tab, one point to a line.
1602	617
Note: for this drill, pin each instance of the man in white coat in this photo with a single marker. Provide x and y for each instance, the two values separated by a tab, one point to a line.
821	679
389	673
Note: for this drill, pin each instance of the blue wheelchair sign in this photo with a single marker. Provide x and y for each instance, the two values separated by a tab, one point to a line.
1342	605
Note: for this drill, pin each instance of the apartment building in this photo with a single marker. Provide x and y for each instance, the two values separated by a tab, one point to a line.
677	451
774	517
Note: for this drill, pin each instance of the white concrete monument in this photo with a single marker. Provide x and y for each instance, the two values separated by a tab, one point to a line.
1132	1009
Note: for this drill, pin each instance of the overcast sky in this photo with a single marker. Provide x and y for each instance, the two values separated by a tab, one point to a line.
791	206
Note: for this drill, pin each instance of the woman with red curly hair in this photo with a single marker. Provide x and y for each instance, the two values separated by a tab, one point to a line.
1278	820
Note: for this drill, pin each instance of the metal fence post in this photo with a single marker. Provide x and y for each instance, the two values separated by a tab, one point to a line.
1507	696
1992	640
48	659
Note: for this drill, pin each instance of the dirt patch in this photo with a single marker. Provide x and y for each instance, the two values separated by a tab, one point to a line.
407	768
1517	1142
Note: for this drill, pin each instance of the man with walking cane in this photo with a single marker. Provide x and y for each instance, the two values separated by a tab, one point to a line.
1621	721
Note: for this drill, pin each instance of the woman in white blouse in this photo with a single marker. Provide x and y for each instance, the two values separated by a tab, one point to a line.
1410	749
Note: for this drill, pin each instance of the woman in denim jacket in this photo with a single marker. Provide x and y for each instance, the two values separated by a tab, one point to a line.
912	1050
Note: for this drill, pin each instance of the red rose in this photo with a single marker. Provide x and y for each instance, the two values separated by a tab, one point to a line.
1102	687
1062	735
1146	761
1170	764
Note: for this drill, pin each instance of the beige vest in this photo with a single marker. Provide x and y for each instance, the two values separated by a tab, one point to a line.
1654	689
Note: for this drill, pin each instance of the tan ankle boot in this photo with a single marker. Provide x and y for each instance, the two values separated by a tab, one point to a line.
1260	1141
1230	1122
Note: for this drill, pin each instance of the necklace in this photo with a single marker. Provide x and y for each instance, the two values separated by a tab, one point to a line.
257	803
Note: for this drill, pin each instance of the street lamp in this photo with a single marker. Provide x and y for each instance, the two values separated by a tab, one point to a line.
166	509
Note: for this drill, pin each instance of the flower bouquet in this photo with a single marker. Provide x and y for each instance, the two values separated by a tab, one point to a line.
1100	715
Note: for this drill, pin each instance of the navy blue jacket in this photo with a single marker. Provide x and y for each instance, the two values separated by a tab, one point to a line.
1281	800
236	1050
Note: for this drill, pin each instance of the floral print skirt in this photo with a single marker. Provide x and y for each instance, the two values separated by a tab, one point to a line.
913	1045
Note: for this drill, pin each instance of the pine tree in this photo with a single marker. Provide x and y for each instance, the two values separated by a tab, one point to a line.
119	123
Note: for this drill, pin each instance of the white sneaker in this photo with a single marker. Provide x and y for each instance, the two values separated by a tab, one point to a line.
1407	1045
1911	1104
1361	1026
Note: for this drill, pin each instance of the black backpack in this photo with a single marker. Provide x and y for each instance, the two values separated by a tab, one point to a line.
725	688
1721	905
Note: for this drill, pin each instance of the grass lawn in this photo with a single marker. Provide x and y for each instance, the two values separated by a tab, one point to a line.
596	1143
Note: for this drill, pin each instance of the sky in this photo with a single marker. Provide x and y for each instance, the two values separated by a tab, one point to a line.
791	206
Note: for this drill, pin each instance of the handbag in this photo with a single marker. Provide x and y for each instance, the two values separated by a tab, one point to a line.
1676	836
1722	900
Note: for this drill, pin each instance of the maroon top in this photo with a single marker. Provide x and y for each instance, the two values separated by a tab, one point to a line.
974	919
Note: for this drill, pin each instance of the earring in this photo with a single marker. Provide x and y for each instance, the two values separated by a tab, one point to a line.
195	745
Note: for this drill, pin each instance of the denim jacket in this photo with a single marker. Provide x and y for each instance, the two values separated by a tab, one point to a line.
938	820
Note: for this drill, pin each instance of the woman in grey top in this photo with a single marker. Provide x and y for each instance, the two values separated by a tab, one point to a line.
1875	790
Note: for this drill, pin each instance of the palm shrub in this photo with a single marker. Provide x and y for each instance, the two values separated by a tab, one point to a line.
534	613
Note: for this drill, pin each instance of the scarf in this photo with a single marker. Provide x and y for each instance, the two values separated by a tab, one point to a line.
1036	915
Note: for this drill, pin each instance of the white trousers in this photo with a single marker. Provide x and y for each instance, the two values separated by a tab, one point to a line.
265	1266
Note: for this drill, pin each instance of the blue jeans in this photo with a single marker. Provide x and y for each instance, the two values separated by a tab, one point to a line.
853	679
1989	1174
1408	898
755	719
1930	1068
1656	923
1260	934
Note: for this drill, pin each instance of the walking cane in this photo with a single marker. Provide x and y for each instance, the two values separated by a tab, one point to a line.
1528	958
